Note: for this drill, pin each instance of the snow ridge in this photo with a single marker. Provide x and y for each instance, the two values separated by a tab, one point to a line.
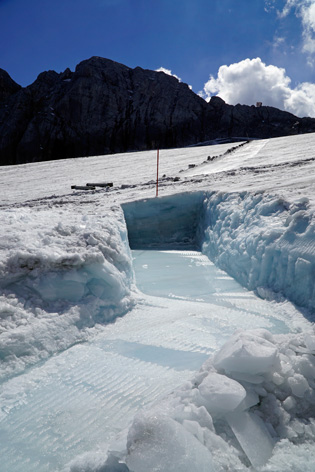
264	242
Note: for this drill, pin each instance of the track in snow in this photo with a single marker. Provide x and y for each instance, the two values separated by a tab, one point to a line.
242	155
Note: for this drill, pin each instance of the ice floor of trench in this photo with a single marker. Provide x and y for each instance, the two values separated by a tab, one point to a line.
77	401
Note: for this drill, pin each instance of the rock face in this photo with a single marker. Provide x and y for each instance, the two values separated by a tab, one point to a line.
7	86
105	107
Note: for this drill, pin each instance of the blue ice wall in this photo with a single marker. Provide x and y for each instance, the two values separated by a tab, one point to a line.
165	222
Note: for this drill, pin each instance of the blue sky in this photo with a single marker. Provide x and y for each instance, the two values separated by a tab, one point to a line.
191	38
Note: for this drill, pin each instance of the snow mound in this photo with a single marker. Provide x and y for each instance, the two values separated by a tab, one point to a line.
219	421
59	277
266	243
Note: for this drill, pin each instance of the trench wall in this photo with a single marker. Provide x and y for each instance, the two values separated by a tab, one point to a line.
264	242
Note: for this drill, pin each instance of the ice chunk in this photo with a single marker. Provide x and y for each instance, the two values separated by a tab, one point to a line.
253	436
309	340
247	353
251	399
298	384
195	429
250	378
289	403
221	394
158	443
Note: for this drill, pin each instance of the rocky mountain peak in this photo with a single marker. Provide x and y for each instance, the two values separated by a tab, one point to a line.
7	86
106	107
216	102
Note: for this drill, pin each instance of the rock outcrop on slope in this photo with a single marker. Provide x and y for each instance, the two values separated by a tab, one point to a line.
105	107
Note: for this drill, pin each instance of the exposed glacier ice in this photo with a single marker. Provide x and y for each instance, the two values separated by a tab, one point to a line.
164	222
210	407
252	435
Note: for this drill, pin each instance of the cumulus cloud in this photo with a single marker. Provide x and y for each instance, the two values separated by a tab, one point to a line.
168	72
302	100
251	81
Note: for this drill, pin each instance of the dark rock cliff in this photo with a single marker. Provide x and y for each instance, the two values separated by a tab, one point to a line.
105	107
7	86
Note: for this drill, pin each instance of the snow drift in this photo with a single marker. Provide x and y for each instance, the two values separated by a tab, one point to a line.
58	280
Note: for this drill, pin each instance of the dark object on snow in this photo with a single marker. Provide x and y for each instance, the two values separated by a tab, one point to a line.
105	107
108	184
82	187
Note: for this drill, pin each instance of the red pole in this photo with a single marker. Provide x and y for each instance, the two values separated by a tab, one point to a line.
157	172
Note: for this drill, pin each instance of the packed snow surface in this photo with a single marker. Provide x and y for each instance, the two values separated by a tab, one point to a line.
108	344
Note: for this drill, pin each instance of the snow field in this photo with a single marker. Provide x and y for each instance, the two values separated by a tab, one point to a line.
66	271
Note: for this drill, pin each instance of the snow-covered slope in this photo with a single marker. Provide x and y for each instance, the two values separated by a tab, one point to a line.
66	270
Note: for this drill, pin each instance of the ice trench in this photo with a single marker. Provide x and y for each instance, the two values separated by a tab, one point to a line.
262	241
64	414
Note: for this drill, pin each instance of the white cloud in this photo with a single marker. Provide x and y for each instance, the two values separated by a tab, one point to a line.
269	5
168	72
251	81
289	4
308	22
278	42
304	9
302	100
